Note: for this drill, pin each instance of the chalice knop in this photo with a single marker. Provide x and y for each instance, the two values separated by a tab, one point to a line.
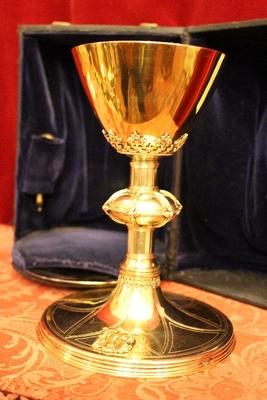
146	95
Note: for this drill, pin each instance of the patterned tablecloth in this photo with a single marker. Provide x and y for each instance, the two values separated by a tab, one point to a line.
27	369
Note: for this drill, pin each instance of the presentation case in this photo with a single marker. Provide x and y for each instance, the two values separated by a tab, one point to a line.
66	170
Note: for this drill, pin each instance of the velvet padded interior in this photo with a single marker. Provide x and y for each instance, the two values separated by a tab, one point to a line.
224	165
78	170
224	172
69	248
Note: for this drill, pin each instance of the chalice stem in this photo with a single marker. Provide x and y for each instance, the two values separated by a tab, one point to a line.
143	208
140	258
136	304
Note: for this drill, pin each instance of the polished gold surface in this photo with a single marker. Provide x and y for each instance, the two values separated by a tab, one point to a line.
146	94
153	337
39	200
48	136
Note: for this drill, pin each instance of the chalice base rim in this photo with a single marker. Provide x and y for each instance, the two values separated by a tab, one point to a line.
200	355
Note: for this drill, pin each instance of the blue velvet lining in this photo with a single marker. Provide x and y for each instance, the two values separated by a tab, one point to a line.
43	165
74	176
94	249
224	188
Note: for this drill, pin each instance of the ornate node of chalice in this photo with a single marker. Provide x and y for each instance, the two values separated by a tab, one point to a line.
146	95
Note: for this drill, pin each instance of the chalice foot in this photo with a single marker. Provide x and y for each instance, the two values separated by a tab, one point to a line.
185	337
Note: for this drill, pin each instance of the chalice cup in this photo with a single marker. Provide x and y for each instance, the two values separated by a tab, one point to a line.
146	95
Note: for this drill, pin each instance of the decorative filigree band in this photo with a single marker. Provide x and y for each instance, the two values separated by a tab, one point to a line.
139	282
140	144
114	341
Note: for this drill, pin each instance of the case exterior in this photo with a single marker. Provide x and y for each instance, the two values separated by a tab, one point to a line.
220	177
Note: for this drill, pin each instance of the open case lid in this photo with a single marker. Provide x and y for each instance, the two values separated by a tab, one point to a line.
223	241
218	242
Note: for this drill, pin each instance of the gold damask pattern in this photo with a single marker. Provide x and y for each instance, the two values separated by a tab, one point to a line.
140	144
27	369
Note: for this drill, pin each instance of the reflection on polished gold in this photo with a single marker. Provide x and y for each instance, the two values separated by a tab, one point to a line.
149	89
146	94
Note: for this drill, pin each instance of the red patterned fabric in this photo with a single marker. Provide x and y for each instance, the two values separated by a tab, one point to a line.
26	369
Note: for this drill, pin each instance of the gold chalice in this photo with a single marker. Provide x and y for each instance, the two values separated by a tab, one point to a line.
146	95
